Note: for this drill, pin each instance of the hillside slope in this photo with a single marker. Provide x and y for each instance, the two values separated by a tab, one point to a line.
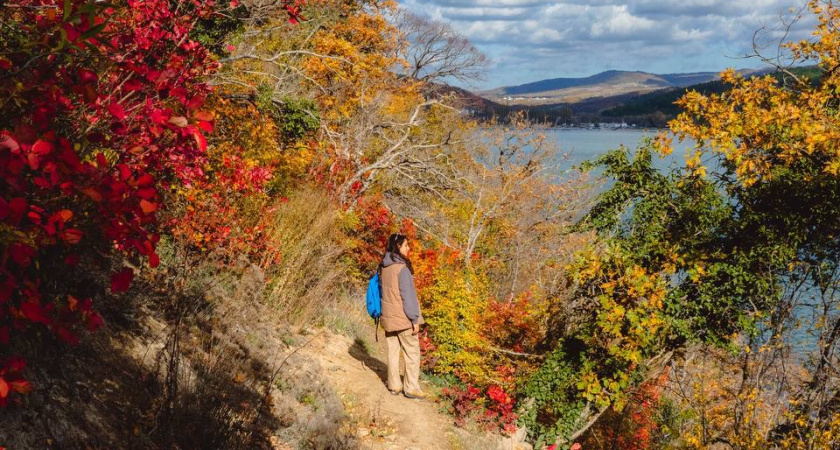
612	83
605	84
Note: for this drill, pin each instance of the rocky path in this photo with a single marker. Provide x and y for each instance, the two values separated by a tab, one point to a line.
383	420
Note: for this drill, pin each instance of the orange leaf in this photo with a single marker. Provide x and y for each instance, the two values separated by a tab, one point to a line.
65	215
93	194
148	207
203	115
200	140
4	388
21	386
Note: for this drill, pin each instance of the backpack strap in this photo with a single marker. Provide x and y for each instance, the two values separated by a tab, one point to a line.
376	320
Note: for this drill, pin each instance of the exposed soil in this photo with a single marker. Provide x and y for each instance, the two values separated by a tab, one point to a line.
383	420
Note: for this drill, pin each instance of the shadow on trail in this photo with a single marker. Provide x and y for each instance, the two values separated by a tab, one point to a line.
357	351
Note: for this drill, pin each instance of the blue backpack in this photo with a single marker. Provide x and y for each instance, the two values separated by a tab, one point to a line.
373	299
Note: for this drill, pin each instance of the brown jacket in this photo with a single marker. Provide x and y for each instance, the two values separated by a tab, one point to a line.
399	299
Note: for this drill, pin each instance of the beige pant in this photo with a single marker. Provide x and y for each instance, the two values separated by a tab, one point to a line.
410	346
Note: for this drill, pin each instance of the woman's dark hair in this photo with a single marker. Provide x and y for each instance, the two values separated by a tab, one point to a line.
395	241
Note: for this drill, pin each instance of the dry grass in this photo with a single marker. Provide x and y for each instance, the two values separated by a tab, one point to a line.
302	267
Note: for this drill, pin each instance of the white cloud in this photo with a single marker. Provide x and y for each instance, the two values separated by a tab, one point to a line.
528	40
620	23
484	13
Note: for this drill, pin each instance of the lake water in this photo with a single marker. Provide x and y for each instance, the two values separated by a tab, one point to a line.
584	144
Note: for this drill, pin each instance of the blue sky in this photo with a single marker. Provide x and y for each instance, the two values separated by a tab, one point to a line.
530	40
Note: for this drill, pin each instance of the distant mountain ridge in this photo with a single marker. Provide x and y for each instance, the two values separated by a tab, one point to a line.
610	76
604	84
652	108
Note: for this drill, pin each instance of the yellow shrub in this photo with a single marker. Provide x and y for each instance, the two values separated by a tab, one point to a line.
452	307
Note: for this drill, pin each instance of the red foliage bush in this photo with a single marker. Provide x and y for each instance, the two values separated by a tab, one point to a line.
101	114
99	101
491	408
512	323
368	235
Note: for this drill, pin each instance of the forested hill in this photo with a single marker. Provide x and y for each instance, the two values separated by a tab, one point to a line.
648	109
610	78
664	101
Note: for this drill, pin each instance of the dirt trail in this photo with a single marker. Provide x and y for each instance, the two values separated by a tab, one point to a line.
386	421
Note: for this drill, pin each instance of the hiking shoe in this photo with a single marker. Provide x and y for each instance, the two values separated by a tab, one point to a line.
414	395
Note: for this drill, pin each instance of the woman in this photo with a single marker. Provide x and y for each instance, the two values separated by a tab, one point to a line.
401	317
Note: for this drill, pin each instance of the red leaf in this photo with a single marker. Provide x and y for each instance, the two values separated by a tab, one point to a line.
5	64
121	280
94	322
145	180
206	126
154	260
87	76
116	110
159	116
125	172
147	193
42	148
42	182
15	364
4	388
34	312
152	75
67	336
195	102
72	260
21	254
133	85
